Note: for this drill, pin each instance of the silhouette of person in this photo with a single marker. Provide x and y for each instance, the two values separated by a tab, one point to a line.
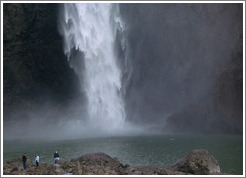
24	159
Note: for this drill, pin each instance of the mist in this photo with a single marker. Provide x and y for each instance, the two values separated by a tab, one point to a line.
168	57
178	51
51	123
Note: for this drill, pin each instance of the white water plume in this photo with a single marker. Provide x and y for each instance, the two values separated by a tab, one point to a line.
91	29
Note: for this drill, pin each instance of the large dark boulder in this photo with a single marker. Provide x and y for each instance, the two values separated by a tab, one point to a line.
97	158
99	163
198	162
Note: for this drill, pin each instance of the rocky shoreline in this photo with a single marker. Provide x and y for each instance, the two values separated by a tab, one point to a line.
197	162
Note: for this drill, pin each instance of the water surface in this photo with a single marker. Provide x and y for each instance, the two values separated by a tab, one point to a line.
161	150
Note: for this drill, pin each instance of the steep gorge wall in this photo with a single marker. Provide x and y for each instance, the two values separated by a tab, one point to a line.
188	63
35	69
187	60
222	113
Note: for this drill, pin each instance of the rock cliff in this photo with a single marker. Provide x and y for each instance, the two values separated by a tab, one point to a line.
35	69
186	60
221	113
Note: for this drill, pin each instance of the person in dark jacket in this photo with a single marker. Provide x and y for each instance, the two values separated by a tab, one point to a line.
24	158
56	157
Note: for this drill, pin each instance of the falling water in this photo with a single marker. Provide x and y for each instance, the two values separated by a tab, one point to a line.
91	29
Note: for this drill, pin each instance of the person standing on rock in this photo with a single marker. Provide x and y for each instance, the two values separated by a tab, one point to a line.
37	160
56	157
24	158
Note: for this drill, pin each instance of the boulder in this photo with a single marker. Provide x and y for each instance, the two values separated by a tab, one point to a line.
99	164
98	158
198	162
146	170
68	165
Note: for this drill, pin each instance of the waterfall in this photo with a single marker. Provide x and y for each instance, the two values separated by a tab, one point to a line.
91	29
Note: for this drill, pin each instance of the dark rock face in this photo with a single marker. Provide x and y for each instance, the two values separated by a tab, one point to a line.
35	69
197	162
193	118
228	97
186	64
221	113
178	66
178	52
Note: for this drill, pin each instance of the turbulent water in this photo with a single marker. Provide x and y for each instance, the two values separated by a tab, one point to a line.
90	29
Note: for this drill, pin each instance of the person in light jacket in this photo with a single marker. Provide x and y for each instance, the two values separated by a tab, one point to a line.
37	160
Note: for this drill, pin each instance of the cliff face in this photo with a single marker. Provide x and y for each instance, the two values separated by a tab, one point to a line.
188	62
228	96
185	59
222	113
182	55
34	67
